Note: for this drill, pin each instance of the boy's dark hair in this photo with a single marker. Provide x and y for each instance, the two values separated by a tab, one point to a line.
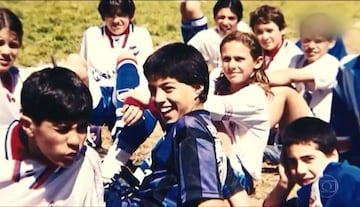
310	129
110	8
57	95
181	62
235	6
265	14
9	20
318	24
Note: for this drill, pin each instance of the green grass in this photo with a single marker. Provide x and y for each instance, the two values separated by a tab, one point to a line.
56	27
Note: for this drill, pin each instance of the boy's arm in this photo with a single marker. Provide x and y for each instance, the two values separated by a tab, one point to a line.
278	196
322	73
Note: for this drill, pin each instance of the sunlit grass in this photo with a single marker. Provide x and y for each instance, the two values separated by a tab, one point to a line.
56	27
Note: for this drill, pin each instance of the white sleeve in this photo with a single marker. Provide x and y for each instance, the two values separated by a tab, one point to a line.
145	46
198	41
325	71
247	104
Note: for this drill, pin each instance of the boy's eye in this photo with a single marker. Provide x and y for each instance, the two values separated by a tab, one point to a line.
14	44
238	59
308	159
226	59
168	89
2	42
63	129
269	30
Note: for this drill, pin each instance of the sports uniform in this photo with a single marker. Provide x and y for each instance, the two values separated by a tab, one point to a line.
10	97
192	27
338	186
281	58
25	181
247	123
320	92
345	110
208	43
101	50
187	165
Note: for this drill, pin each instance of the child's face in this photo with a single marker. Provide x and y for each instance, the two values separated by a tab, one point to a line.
226	21
315	47
173	98
9	47
238	64
269	35
117	24
306	162
59	143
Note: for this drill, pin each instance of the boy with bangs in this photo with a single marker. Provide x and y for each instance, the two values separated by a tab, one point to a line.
310	159
103	48
269	26
314	73
187	166
43	157
227	15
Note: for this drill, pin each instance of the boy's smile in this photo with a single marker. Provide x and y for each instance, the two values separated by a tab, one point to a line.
173	98
269	35
306	162
315	47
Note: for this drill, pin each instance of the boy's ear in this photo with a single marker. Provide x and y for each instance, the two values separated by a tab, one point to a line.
27	124
334	156
259	62
198	89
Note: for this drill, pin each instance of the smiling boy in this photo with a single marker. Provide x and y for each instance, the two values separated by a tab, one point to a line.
269	26
188	165
310	159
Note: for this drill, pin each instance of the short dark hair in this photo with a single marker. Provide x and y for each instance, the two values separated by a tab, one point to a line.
181	62
235	6
116	7
57	95
265	14
310	129
9	20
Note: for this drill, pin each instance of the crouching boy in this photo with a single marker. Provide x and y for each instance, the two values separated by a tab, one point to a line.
43	158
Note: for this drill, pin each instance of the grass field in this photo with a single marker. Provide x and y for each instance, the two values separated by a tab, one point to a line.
56	27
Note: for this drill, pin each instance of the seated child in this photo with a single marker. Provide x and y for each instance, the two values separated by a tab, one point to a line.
43	157
11	33
227	15
314	73
310	159
269	26
188	166
103	48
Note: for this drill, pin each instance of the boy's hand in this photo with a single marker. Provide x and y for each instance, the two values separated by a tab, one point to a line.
140	95
131	114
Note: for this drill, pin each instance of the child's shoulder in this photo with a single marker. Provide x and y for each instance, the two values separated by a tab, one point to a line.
342	170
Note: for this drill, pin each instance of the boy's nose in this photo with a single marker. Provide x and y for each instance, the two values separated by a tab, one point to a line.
5	49
301	168
76	139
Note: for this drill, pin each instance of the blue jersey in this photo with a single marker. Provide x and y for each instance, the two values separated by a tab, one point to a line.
339	186
187	166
